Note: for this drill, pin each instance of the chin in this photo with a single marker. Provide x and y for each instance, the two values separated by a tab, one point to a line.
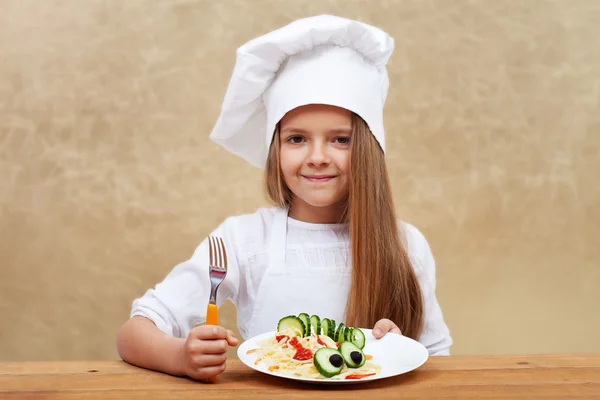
321	203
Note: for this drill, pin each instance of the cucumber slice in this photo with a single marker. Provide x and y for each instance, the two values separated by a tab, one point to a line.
339	333
306	320
325	326
353	356
347	334
315	322
331	330
292	323
329	362
358	338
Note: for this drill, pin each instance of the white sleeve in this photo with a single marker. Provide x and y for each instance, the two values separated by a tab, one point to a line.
179	302
436	335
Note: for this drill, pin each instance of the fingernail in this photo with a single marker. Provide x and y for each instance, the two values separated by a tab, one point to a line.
377	332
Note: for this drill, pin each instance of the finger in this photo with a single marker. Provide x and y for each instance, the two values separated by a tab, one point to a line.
231	339
218	346
204	373
396	330
209	332
212	346
383	326
209	360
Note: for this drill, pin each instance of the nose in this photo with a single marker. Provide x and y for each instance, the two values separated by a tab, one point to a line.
318	154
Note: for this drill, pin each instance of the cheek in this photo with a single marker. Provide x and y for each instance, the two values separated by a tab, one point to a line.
289	163
343	163
288	174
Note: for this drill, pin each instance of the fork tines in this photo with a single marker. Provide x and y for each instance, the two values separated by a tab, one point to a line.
218	256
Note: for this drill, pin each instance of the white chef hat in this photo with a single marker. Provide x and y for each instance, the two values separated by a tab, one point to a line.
318	60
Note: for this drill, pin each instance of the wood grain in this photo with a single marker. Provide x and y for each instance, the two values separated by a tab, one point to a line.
574	376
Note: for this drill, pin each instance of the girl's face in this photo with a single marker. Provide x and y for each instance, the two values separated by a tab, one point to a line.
315	158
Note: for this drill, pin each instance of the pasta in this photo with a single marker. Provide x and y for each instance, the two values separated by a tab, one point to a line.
287	354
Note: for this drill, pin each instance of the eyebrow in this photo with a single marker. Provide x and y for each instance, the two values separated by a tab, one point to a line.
347	130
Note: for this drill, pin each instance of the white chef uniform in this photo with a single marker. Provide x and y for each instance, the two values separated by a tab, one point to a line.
279	266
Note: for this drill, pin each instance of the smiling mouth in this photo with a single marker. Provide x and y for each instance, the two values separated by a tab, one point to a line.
313	178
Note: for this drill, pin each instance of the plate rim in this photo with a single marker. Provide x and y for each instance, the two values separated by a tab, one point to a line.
243	347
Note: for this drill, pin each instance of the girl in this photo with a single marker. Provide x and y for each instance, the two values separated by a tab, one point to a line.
306	103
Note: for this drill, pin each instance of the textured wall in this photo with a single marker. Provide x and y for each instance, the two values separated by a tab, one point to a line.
108	178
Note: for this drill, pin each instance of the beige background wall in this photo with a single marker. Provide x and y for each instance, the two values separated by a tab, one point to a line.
108	178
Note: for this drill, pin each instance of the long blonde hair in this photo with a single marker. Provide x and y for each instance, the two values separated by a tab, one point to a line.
384	284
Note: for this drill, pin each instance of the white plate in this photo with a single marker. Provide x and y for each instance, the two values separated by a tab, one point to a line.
395	354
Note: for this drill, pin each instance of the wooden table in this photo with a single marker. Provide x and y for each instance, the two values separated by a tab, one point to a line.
455	377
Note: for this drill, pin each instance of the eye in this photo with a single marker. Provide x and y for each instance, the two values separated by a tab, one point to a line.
344	140
295	139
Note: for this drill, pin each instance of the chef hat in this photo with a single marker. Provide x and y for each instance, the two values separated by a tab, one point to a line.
318	60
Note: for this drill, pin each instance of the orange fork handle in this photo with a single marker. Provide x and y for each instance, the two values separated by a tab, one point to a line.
212	315
212	318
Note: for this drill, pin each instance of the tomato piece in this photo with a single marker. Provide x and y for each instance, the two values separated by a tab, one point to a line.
358	376
303	354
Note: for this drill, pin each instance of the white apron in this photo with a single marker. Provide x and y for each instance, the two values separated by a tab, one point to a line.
287	291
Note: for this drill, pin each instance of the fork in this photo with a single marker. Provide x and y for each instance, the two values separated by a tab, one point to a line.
217	272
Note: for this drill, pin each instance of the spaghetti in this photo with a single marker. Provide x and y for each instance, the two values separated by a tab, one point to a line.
286	354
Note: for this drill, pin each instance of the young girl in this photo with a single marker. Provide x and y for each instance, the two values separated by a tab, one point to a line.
305	102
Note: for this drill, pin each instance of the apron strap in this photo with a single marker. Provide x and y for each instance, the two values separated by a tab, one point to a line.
278	242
